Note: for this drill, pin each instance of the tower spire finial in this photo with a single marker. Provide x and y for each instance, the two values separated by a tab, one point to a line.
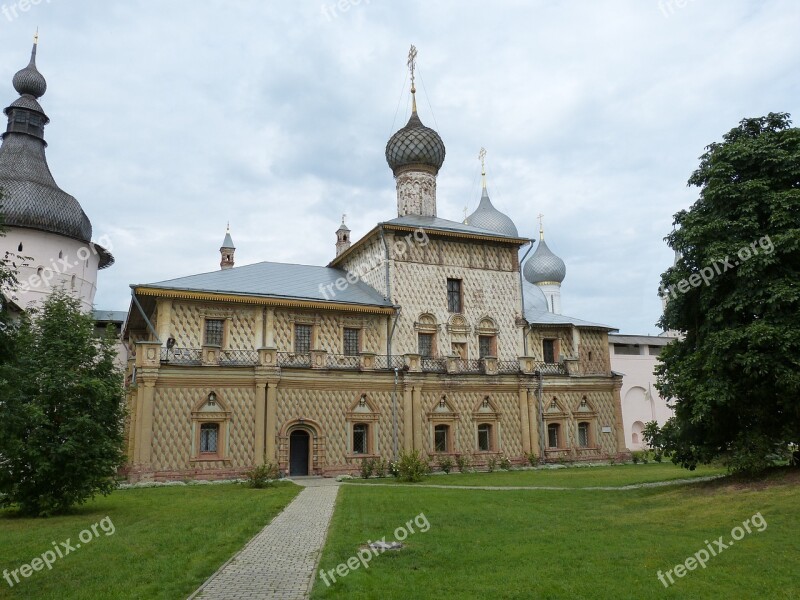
482	158
412	65
541	226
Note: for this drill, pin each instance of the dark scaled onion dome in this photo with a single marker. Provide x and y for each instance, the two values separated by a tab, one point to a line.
544	266
415	144
486	216
28	80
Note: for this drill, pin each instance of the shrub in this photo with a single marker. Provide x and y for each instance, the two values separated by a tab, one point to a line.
367	467
463	462
412	467
636	457
381	467
491	464
261	476
505	463
394	468
445	463
533	458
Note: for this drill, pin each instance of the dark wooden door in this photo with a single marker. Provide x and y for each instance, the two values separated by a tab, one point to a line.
299	443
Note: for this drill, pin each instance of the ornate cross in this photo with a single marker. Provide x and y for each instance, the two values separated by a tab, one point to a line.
541	226
482	158
412	62
343	218
36	36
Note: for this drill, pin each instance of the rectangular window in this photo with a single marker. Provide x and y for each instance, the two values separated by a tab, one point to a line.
454	299
440	438
350	341
552	435
209	436
484	437
214	332
583	435
360	438
654	350
425	344
486	346
627	349
549	351
302	339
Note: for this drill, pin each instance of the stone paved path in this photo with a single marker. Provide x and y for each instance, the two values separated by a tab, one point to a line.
281	560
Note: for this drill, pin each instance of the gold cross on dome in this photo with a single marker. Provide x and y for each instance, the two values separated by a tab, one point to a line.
412	62
540	216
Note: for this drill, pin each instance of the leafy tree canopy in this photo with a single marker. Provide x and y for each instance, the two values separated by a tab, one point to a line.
734	294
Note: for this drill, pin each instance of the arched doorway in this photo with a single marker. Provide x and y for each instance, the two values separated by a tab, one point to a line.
299	452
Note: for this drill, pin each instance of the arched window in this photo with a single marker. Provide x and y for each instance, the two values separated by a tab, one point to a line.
553	435
360	438
441	438
484	437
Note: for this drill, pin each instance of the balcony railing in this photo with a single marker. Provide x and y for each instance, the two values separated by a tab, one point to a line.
238	358
343	361
250	358
290	359
182	356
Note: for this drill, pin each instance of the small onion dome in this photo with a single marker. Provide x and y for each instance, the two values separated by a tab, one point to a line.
486	216
544	266
415	144
29	81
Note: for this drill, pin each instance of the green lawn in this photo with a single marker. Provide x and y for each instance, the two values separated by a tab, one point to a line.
548	544
571	477
166	541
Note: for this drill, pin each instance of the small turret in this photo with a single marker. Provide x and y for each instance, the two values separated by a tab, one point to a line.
227	250
342	237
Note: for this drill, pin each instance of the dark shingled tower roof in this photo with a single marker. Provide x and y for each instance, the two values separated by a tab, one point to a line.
30	196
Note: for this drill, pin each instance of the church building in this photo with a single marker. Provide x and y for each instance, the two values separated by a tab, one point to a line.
426	333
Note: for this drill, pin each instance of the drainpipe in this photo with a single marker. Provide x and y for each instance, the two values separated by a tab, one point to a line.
522	296
394	415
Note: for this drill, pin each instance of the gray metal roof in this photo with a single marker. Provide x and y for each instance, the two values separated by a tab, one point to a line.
279	280
415	144
544	266
228	241
640	340
112	316
533	297
435	223
543	317
486	216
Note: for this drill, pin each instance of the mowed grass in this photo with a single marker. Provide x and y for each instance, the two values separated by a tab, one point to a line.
571	477
568	544
166	542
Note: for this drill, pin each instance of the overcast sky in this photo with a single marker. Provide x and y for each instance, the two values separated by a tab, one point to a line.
169	119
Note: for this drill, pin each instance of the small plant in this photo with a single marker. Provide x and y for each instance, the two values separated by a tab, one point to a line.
262	476
533	458
463	462
412	467
505	463
636	457
381	467
612	460
491	464
367	467
394	468
445	463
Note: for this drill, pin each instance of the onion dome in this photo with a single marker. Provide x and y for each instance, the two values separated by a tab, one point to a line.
544	266
486	216
415	145
29	81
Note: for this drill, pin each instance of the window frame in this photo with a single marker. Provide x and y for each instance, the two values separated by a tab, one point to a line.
555	350
210	426
305	326
554	427
445	429
432	337
587	425
362	427
345	331
488	429
492	340
452	298
222	331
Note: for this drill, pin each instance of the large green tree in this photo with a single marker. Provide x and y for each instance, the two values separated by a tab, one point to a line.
61	412
734	293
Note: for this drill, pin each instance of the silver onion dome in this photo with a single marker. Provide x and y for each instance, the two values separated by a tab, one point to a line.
415	144
544	266
486	216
